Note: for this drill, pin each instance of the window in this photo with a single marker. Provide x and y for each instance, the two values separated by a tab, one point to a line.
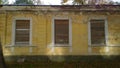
97	28
22	32
61	31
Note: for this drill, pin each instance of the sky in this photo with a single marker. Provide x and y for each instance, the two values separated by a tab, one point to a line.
51	2
54	2
116	0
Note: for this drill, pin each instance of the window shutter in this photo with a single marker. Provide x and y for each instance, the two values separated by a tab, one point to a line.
61	31
22	32
97	32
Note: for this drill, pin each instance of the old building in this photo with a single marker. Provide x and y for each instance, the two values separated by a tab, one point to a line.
60	30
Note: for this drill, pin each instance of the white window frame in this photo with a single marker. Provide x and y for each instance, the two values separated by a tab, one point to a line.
14	28
70	32
106	32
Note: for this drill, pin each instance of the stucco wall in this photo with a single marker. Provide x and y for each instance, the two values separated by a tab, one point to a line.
42	32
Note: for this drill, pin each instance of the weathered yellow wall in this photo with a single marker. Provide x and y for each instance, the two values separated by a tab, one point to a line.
2	28
2	21
41	34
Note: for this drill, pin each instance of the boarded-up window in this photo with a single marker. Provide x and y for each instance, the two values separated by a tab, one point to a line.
61	31
22	32
97	31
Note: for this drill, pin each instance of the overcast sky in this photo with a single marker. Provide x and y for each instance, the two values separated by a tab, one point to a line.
116	0
54	2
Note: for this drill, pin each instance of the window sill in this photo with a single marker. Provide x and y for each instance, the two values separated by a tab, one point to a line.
104	45
62	45
19	46
97	45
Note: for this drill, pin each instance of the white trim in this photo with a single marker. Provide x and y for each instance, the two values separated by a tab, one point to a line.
9	46
30	50
13	34
70	33
52	35
89	31
14	28
106	32
89	38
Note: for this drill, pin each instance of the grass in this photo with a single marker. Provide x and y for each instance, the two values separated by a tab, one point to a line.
65	65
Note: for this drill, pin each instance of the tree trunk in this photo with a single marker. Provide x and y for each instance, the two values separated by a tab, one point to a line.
2	62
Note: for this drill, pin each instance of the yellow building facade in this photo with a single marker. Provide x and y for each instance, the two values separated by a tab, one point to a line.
43	30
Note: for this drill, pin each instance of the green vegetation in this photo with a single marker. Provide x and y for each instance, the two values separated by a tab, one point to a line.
24	2
4	2
79	2
0	1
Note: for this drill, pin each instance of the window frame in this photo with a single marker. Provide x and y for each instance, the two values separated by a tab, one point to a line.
14	31
105	29
53	32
